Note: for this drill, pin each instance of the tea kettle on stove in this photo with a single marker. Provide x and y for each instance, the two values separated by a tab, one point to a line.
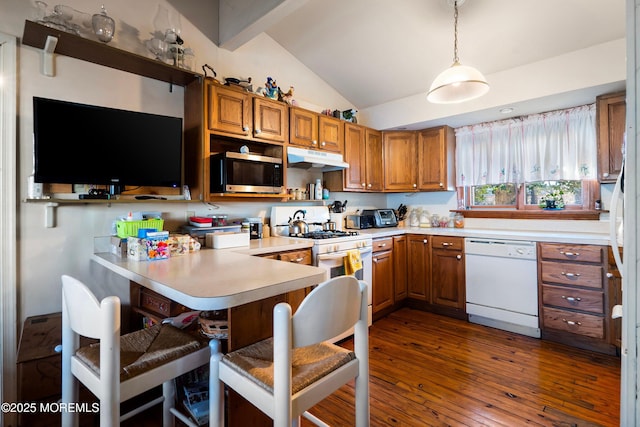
298	225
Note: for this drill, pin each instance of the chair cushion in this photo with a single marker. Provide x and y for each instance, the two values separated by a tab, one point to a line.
309	364
143	350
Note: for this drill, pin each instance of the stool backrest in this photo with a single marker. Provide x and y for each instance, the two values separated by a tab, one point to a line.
332	308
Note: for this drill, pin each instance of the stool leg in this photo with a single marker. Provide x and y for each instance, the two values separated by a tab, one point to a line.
216	388
169	394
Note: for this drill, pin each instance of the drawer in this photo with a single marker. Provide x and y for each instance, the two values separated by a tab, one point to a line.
298	257
447	242
576	299
565	252
576	323
383	244
572	274
157	304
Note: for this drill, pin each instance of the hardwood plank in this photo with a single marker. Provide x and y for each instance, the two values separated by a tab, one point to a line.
427	369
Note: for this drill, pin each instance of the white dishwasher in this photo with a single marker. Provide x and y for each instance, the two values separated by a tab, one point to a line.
502	284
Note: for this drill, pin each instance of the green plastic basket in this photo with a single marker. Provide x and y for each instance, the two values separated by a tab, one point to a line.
130	228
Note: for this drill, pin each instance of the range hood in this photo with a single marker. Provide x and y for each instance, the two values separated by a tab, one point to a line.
306	159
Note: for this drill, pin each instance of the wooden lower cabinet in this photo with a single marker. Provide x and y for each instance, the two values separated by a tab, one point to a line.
614	285
382	274
575	297
419	267
448	273
302	256
400	266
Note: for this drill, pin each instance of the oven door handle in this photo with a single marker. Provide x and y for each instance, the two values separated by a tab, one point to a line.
342	254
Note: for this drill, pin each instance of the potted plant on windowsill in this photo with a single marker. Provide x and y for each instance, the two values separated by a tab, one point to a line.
552	200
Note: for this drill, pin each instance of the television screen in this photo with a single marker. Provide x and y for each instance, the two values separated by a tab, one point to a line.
86	144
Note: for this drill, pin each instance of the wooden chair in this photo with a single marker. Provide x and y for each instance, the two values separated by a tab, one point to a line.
119	368
285	375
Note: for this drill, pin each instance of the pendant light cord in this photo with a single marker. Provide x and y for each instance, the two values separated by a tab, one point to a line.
455	32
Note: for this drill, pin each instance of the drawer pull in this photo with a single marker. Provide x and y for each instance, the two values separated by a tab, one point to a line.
609	275
571	322
573	254
382	245
572	299
447	244
424	241
298	259
570	274
458	257
375	260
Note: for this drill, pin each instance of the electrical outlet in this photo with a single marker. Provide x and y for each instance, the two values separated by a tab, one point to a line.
189	214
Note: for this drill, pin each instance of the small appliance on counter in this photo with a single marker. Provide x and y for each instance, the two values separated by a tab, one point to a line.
359	222
382	217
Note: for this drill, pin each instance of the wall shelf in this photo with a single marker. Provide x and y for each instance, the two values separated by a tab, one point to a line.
101	53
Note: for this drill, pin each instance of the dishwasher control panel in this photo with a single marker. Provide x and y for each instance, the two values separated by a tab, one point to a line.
520	249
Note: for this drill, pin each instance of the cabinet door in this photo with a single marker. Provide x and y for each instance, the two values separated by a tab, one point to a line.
294	298
447	278
373	159
436	156
355	175
400	257
303	129
331	134
611	118
400	159
419	271
382	280
270	120
229	110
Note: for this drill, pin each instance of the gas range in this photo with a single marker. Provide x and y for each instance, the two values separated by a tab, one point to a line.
323	241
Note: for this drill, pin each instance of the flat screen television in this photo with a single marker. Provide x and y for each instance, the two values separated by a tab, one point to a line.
87	144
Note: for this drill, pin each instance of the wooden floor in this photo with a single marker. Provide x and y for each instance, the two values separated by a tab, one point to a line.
430	370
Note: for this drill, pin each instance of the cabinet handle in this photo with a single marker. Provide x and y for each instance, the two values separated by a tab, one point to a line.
441	185
458	257
245	128
447	244
605	174
574	254
415	185
570	274
375	260
424	241
571	322
382	245
572	299
364	185
297	260
323	143
609	275
369	186
314	142
258	131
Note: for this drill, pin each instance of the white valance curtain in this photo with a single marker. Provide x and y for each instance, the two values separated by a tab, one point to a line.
559	145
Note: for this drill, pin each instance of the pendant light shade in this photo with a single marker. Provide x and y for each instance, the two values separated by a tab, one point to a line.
457	83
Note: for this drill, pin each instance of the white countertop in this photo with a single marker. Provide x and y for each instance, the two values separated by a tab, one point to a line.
216	279
536	236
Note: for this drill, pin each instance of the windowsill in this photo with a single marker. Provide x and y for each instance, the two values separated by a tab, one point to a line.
567	214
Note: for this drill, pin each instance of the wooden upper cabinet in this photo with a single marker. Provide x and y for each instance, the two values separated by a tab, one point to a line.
400	151
436	159
270	120
229	110
303	129
373	160
611	113
355	175
330	134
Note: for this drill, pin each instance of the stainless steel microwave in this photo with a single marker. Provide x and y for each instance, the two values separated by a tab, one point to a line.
245	173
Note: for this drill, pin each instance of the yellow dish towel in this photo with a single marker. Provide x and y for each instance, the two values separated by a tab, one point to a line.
352	262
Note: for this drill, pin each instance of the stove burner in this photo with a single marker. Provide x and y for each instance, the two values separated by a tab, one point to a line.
326	234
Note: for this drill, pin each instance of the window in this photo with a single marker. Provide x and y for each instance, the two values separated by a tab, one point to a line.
543	161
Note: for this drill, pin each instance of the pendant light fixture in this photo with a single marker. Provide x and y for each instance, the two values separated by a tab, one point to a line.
457	83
